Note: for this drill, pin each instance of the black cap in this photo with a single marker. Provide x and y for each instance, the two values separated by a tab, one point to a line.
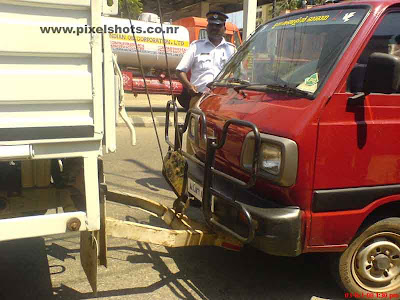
216	17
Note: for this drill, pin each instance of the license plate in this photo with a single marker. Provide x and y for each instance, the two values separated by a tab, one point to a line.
195	189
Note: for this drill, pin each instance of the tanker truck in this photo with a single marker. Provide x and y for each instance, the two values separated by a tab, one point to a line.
150	45
152	54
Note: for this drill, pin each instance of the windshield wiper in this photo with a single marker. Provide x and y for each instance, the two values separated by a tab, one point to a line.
239	84
275	88
231	82
237	81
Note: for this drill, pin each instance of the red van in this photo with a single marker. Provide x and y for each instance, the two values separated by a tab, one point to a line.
297	142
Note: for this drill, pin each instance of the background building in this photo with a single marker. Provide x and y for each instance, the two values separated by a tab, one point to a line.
264	12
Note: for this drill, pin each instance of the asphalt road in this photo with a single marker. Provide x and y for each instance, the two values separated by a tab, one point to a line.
49	268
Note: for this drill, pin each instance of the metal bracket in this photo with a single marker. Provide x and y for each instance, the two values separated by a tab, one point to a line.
184	232
89	251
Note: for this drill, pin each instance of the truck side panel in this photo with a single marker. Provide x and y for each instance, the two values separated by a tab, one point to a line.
51	116
47	78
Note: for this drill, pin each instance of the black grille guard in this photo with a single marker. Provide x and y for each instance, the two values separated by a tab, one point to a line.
209	192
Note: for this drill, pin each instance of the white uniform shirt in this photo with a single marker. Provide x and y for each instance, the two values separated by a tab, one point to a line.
205	61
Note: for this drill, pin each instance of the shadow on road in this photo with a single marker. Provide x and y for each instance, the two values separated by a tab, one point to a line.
154	184
187	273
212	273
24	270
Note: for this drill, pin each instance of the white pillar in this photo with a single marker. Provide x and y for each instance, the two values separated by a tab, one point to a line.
204	8
249	17
264	13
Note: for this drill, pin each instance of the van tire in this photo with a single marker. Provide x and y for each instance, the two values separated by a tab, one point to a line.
362	277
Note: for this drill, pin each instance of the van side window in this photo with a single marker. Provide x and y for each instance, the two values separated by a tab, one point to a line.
386	39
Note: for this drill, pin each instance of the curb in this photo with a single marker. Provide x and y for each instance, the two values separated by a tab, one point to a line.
139	121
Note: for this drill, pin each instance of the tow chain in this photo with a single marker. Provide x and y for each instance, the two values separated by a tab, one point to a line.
169	77
174	165
176	179
144	81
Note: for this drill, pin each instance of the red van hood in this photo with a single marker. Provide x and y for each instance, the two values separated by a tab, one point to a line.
273	113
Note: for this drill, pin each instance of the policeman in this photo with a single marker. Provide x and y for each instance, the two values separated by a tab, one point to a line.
205	58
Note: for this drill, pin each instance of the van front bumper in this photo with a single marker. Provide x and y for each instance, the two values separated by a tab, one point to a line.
278	228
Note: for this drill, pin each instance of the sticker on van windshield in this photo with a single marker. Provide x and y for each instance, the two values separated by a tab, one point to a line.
348	16
307	19
330	16
310	84
312	80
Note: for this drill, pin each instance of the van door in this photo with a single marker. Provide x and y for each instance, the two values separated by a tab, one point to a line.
358	144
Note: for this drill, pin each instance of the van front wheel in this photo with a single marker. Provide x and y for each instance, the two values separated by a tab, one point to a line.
370	266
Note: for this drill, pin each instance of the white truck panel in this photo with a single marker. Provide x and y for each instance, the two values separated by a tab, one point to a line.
15	152
52	104
97	68
38	225
20	27
64	4
48	79
41	79
109	100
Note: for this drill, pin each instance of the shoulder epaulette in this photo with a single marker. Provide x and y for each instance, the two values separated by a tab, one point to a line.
196	41
231	44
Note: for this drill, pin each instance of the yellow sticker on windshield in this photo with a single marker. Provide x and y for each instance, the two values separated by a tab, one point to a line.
301	20
312	80
310	84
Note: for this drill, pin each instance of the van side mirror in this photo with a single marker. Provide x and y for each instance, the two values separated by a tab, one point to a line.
382	74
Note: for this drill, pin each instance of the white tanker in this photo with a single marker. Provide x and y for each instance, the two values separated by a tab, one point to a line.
149	42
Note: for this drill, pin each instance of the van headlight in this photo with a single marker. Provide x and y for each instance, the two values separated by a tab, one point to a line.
194	130
270	158
278	158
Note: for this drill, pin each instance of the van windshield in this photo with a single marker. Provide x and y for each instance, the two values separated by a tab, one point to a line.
296	52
